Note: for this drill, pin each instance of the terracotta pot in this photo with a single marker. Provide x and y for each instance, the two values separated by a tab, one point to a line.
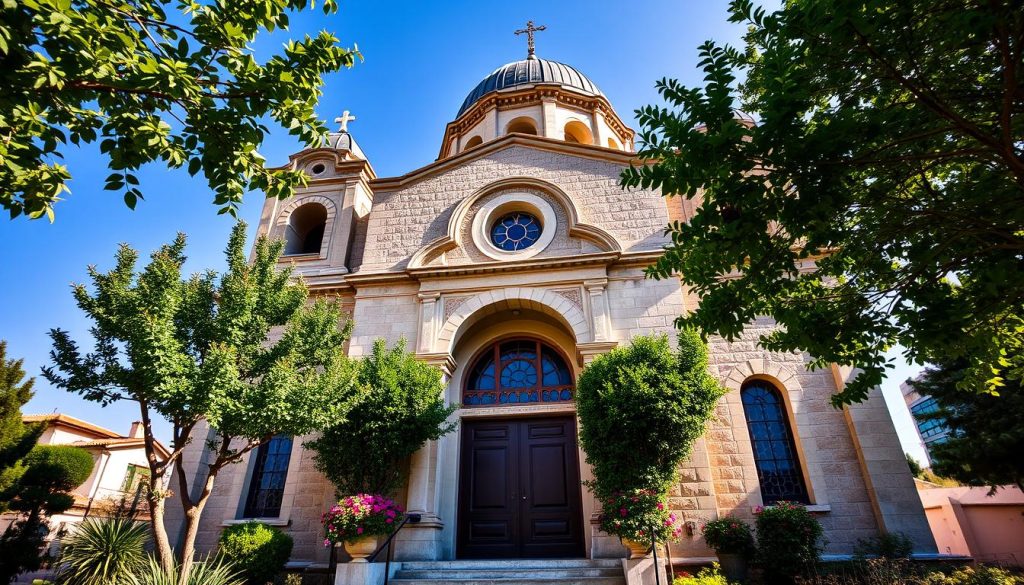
361	548
734	566
637	550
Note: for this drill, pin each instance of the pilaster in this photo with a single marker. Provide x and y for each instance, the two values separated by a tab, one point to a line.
430	320
599	309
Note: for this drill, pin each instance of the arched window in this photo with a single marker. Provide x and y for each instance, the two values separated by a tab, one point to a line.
473	142
305	231
527	371
269	472
778	467
522	125
613	144
577	131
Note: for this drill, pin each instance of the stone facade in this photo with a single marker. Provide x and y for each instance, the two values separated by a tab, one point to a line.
407	258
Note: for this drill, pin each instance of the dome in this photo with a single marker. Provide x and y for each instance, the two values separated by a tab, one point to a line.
529	72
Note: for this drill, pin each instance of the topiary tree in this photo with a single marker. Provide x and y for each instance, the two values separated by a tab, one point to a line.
641	408
259	550
788	541
403	408
50	473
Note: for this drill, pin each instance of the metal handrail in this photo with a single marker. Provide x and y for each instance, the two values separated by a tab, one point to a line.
409	519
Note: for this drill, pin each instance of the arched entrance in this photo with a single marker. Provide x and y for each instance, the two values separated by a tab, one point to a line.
519	477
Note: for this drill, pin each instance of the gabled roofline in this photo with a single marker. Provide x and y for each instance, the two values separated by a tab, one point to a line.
589	151
61	419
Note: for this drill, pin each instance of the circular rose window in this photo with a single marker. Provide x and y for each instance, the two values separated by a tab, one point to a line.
515	231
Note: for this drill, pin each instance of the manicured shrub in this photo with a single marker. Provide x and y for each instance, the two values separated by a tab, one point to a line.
706	576
103	552
641	408
891	545
402	408
257	550
978	575
729	536
788	541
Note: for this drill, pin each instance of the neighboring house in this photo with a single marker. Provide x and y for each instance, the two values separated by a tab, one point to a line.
510	263
119	465
931	431
969	521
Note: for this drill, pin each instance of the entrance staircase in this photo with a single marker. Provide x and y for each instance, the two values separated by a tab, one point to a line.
509	572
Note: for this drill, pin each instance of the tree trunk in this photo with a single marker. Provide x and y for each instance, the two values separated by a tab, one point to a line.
162	543
193	513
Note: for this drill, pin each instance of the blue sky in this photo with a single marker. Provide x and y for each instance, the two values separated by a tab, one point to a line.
421	59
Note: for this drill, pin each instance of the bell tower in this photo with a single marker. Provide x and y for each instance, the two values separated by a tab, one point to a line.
319	222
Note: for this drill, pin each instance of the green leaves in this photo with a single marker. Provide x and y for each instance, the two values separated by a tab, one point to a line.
876	201
150	89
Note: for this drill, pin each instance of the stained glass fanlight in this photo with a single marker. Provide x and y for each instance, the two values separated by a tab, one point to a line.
527	371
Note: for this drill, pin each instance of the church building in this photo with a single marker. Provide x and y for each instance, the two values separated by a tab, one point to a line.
509	263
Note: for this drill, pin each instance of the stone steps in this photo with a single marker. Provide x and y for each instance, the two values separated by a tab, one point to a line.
508	572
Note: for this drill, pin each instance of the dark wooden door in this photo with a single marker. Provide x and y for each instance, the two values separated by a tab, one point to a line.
519	489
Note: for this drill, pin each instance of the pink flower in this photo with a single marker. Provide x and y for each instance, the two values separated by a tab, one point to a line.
359	530
661	506
327	542
389	520
623	512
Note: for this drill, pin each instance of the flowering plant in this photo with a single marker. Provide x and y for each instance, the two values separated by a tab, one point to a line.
639	515
729	536
788	540
360	516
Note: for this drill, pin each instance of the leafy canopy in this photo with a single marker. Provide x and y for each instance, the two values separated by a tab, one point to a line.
888	155
183	88
641	408
985	438
403	407
243	352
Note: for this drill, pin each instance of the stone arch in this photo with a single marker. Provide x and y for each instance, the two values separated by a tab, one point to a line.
473	142
522	125
781	375
284	218
512	298
578	132
451	240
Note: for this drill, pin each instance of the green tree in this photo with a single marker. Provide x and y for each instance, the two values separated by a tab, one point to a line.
985	438
183	88
16	438
41	490
244	352
888	155
403	408
641	408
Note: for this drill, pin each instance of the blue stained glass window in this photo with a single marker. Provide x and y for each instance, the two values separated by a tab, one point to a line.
528	371
270	470
774	449
515	231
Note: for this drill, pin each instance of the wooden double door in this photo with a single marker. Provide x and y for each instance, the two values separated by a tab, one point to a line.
519	489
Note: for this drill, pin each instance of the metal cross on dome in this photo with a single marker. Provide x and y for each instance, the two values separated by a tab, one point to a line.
344	119
528	31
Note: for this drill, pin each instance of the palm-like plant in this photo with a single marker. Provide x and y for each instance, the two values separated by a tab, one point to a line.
211	571
103	552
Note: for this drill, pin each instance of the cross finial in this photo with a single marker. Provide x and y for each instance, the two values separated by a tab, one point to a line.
344	119
528	31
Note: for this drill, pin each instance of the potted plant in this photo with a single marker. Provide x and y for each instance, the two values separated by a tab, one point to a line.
789	541
733	542
357	521
639	518
641	408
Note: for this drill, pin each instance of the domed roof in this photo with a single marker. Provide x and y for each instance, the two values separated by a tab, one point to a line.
528	72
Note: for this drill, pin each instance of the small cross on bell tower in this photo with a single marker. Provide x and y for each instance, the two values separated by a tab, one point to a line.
528	31
344	119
